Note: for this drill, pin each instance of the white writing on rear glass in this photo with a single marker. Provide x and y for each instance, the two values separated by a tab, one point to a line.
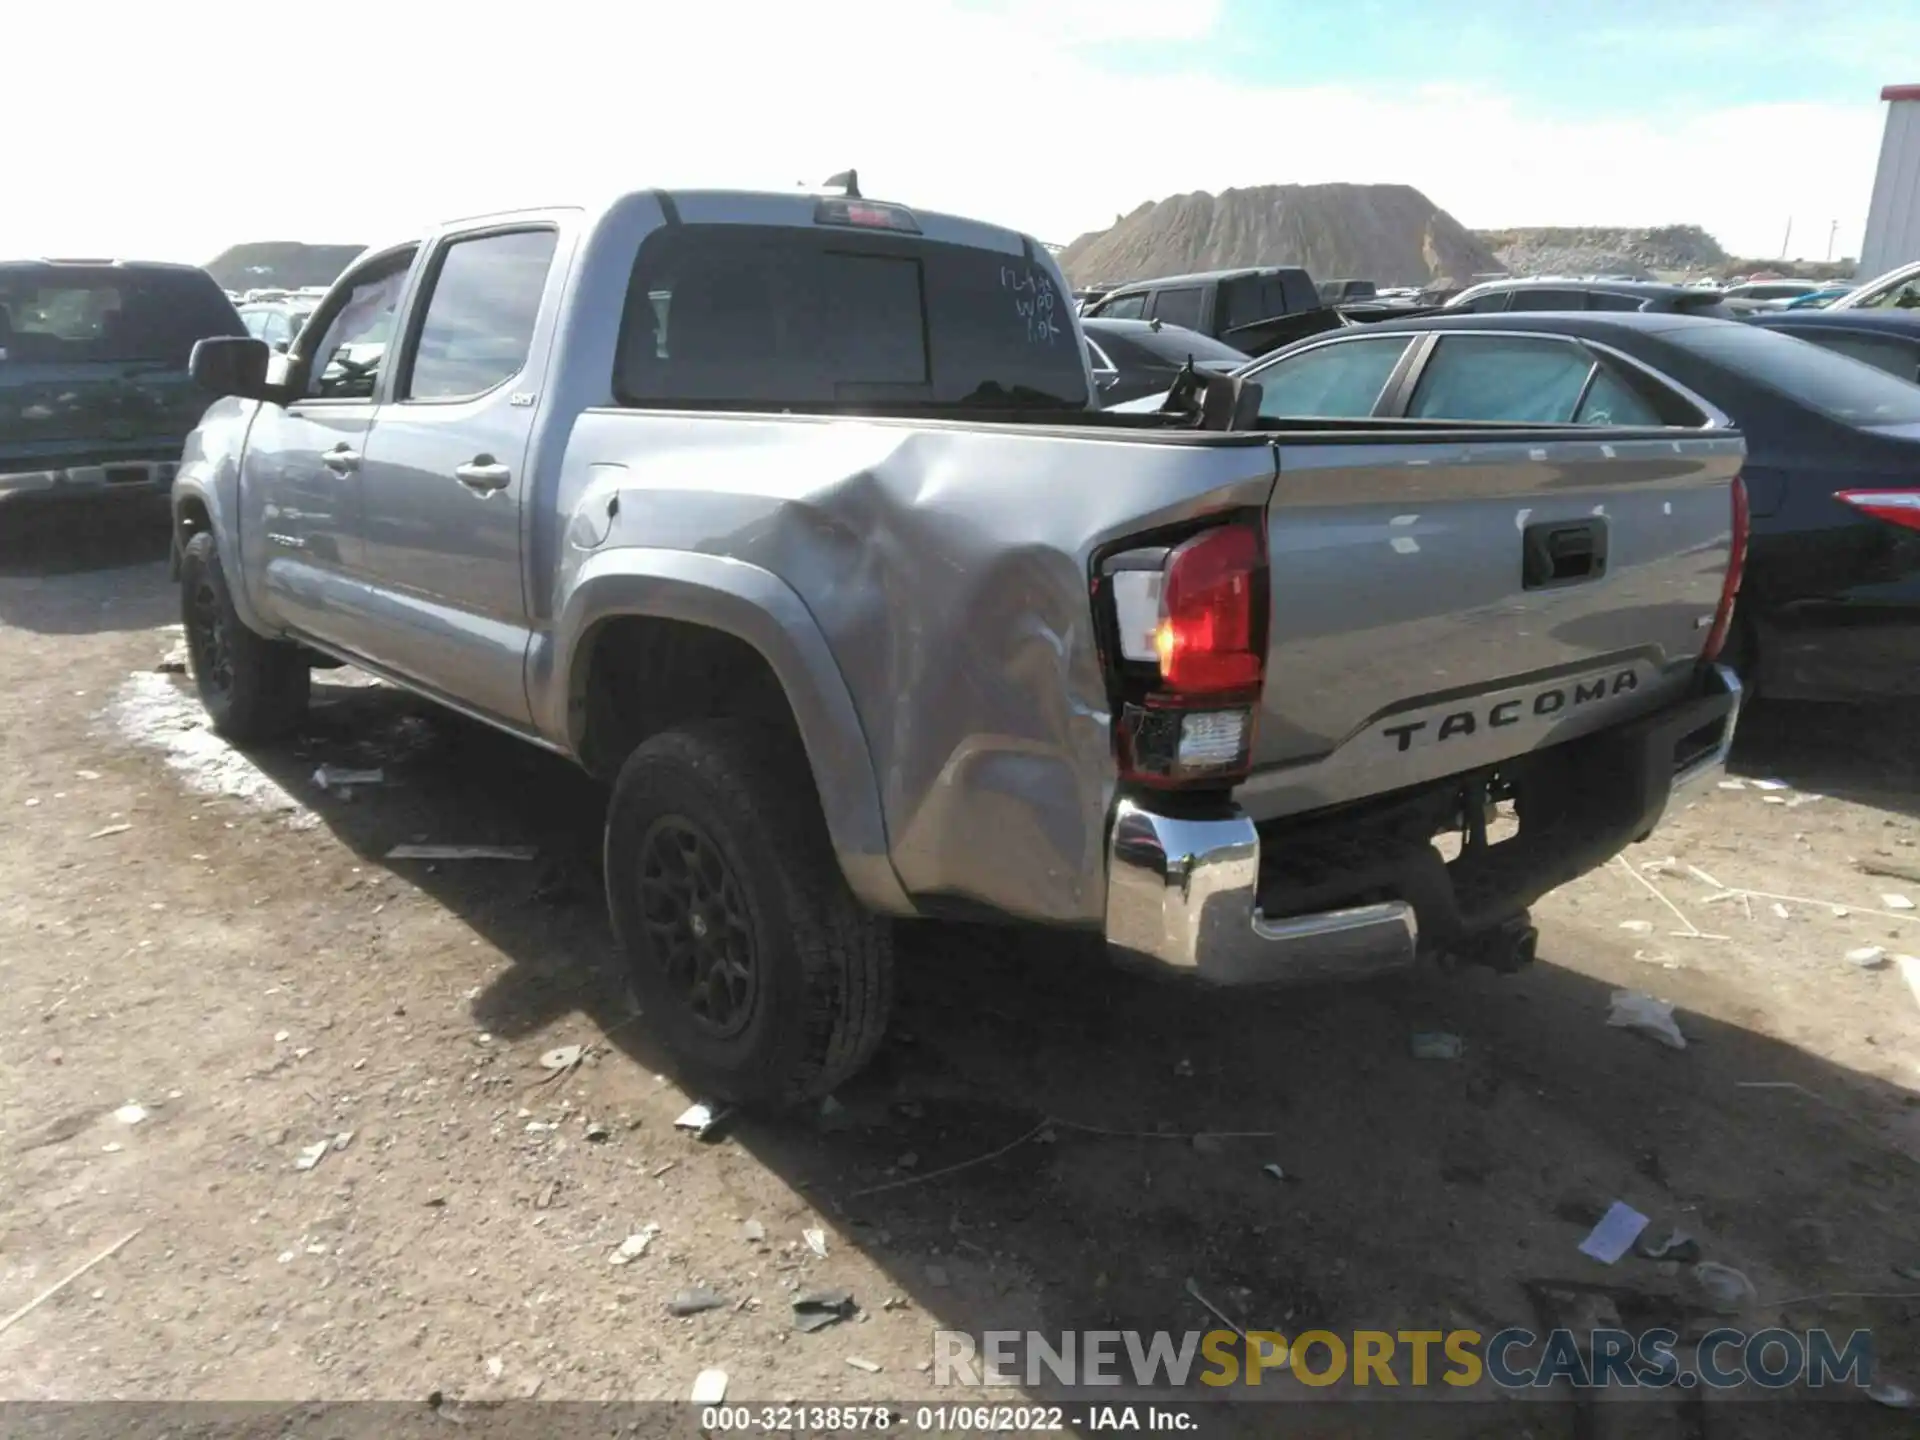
1034	301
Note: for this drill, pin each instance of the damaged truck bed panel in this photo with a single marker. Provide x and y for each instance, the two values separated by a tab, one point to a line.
794	518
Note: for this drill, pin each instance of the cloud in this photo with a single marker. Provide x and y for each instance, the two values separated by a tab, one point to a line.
275	126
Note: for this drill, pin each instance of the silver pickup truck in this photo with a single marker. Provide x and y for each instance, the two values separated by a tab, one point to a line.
793	517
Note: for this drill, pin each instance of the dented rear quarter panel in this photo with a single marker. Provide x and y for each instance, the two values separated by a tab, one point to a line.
947	568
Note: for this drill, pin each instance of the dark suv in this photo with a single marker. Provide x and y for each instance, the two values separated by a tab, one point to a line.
94	393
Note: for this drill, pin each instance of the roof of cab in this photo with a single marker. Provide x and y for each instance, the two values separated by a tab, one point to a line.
1207	277
776	207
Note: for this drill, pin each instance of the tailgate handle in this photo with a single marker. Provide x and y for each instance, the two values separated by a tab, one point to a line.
1563	552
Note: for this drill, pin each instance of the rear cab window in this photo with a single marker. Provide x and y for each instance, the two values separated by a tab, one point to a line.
1180	306
107	314
787	317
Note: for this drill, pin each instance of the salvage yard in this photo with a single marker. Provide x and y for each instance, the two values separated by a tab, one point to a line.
308	1080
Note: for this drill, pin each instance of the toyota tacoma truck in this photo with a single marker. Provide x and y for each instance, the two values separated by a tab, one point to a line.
794	517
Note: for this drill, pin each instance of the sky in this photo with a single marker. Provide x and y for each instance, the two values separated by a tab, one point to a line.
172	131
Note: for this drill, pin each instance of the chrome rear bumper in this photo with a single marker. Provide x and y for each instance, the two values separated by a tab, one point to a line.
1182	893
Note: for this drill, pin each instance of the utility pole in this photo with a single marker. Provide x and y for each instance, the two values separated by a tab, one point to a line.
1788	240
1832	230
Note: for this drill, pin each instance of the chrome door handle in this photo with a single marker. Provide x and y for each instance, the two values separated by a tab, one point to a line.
341	460
483	475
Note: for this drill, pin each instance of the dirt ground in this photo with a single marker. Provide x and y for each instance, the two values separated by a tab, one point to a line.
219	941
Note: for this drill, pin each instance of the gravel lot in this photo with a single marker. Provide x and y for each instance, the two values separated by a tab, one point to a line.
219	941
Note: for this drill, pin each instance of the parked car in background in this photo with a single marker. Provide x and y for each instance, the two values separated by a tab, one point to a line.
1132	358
1898	289
1499	296
1253	310
1830	606
95	397
278	321
1337	292
1769	294
1818	299
1886	339
794	518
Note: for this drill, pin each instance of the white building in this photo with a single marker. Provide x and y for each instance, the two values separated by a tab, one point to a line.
1893	218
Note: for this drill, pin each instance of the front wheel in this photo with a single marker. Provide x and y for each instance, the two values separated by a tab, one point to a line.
253	688
751	959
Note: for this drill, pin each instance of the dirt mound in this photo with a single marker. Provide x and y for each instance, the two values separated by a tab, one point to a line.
280	264
1606	250
1391	234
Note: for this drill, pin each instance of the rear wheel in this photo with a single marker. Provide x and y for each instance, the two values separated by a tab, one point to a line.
253	688
752	960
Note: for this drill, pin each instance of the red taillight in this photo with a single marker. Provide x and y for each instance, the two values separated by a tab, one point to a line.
1896	507
1736	567
1207	639
1191	632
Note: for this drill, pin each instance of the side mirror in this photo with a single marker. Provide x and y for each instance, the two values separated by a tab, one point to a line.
1106	379
230	365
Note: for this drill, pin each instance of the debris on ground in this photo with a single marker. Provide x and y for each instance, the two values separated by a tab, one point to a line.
105	830
563	1057
816	1241
1771	785
1894	1396
1637	1010
1674	1245
1638	927
694	1302
1275	1171
1183	1068
1615	1233
130	1113
461	852
1733	784
1868	957
859	1364
709	1387
335	777
1896	902
311	1155
753	1232
659	1170
496	1367
1907	1272
704	1120
817	1309
1437	1045
598	1132
1910	971
1724	1288
634	1246
65	1280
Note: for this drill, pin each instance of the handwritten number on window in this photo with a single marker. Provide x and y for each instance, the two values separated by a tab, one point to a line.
1035	303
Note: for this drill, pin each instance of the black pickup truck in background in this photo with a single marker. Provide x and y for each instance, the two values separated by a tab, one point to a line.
1253	310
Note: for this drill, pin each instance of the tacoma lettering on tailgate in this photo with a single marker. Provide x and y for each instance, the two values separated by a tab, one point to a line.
1541	705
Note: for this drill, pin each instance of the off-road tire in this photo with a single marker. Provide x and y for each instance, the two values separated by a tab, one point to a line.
822	965
254	689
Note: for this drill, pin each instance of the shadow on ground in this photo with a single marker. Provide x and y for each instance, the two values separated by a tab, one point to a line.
1861	753
1416	1194
104	556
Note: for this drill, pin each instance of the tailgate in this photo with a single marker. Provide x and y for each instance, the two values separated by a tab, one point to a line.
1411	637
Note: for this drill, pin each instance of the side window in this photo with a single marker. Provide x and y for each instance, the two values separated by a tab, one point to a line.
480	314
1502	377
256	323
1611	401
1542	298
1097	358
1612	300
346	362
1179	307
1903	296
1891	356
1127	307
1341	380
1241	301
273	329
1492	303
